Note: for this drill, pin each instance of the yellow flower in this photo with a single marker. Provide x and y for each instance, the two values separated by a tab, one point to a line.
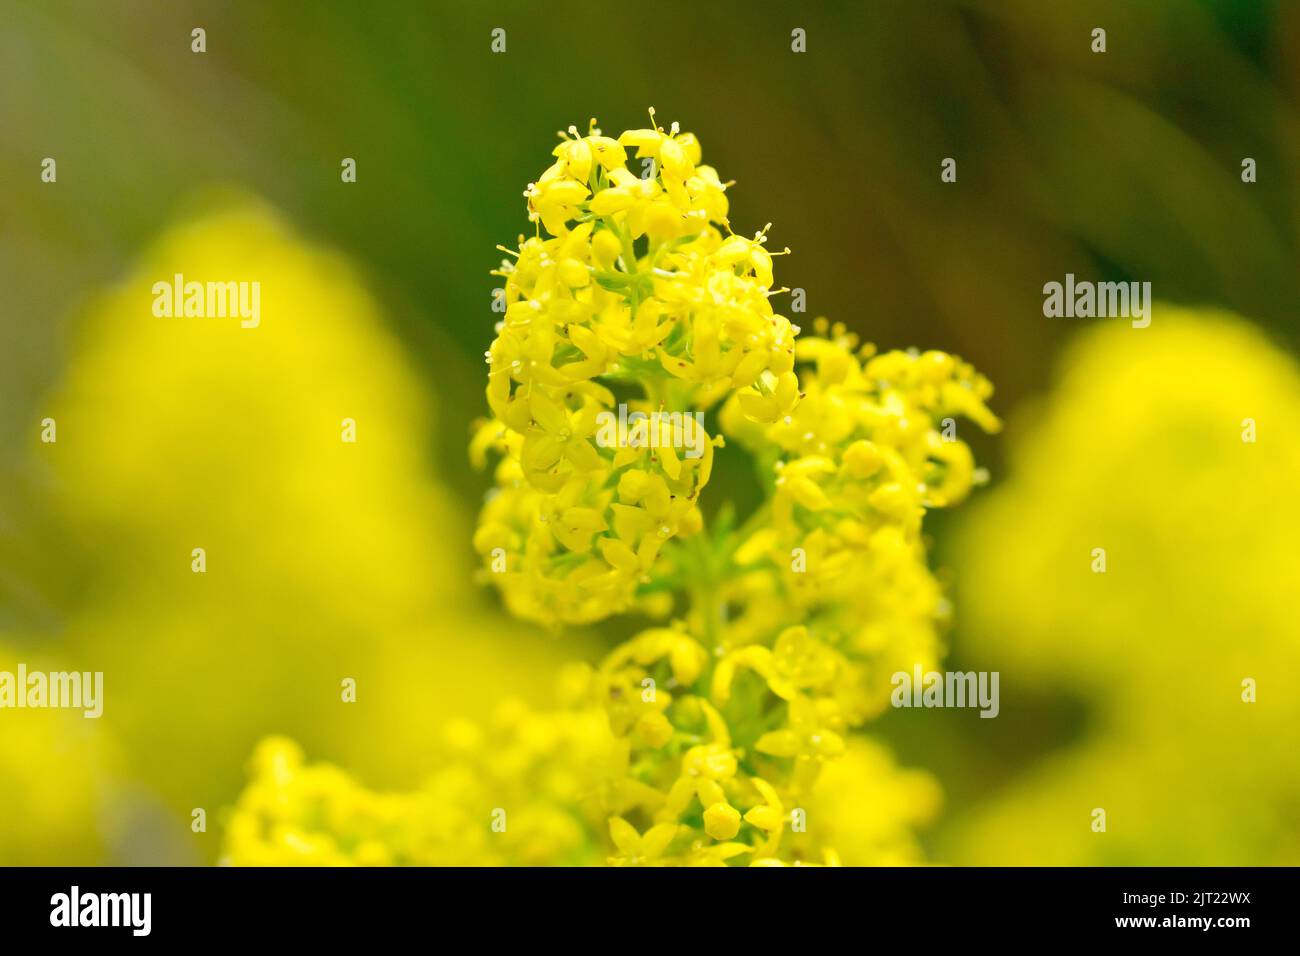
57	772
640	281
636	849
185	433
805	737
1173	460
716	724
721	821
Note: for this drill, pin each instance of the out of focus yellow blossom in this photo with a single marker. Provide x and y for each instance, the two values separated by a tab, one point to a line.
59	785
324	560
540	788
520	791
1170	455
869	810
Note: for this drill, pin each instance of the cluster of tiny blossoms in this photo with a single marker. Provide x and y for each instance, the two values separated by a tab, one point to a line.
554	788
637	296
702	739
640	293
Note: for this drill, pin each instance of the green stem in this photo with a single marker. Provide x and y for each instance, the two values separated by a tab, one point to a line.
704	589
630	267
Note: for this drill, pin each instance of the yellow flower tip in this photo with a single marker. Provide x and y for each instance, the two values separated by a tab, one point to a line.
722	821
654	729
276	757
765	818
624	835
862	459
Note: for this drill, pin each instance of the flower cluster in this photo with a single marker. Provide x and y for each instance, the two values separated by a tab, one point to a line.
798	618
637	293
838	547
516	792
552	788
774	637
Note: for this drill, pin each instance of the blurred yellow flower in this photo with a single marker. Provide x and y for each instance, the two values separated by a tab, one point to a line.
59	783
326	559
1172	451
513	793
